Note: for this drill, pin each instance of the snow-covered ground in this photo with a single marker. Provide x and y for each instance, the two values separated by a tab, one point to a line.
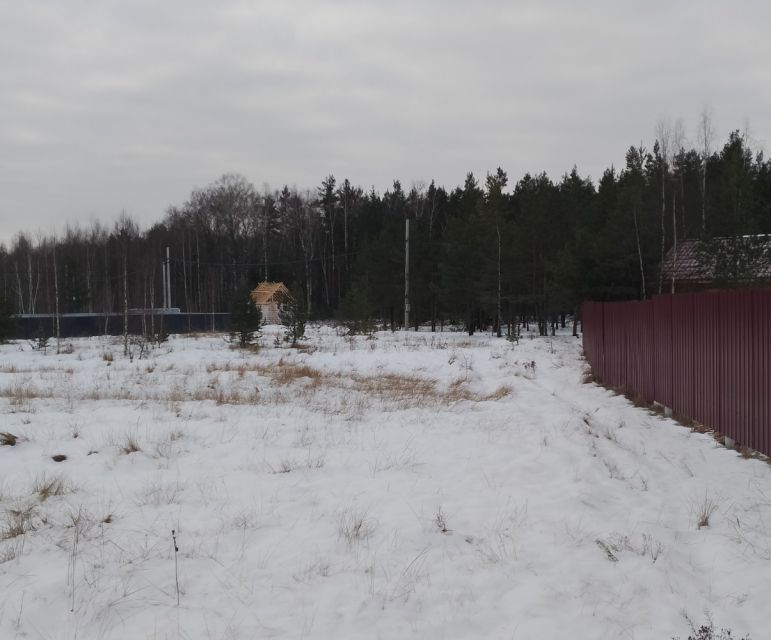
413	485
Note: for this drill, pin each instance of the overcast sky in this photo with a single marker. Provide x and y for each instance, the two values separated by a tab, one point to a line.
108	106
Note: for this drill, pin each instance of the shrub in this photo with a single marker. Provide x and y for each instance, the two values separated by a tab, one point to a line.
40	343
7	439
708	632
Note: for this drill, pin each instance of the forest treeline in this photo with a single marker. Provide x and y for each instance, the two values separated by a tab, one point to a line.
482	253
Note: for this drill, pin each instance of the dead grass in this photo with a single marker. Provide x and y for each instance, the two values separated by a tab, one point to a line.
459	391
130	445
704	511
746	452
403	389
17	521
500	393
7	439
393	391
20	396
288	373
254	381
46	486
355	526
690	423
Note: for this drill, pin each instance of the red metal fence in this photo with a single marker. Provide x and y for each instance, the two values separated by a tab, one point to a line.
707	356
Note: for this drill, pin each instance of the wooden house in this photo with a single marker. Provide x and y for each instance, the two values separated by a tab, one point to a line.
719	263
269	296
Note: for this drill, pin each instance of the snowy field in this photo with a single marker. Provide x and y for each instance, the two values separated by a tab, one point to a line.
412	485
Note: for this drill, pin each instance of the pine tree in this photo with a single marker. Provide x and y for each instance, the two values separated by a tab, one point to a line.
245	321
7	322
293	315
357	308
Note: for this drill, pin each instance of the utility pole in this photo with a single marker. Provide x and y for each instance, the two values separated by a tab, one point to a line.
163	281
168	279
406	273
56	300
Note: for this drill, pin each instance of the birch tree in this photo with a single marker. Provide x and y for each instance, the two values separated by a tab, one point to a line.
704	136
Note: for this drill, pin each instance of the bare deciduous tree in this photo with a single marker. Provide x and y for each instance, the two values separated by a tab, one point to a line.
704	136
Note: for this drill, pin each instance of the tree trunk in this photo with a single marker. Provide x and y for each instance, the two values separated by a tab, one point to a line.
639	252
663	226
674	240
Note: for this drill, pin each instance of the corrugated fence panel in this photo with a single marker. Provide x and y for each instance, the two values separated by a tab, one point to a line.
761	305
705	355
662	317
724	372
744	366
610	348
641	358
615	344
648	330
682	354
707	328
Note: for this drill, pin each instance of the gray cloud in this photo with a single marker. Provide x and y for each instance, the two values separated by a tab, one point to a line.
113	105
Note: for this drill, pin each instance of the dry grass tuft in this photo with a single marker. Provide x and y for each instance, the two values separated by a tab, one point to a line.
704	511
747	452
459	391
48	486
390	386
288	373
501	392
130	445
20	396
17	521
7	439
690	423
355	527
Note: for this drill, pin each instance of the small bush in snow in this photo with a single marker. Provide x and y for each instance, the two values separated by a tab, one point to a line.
708	632
354	526
440	520
704	511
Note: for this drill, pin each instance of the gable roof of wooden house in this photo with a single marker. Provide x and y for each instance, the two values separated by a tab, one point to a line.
268	292
269	296
739	259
